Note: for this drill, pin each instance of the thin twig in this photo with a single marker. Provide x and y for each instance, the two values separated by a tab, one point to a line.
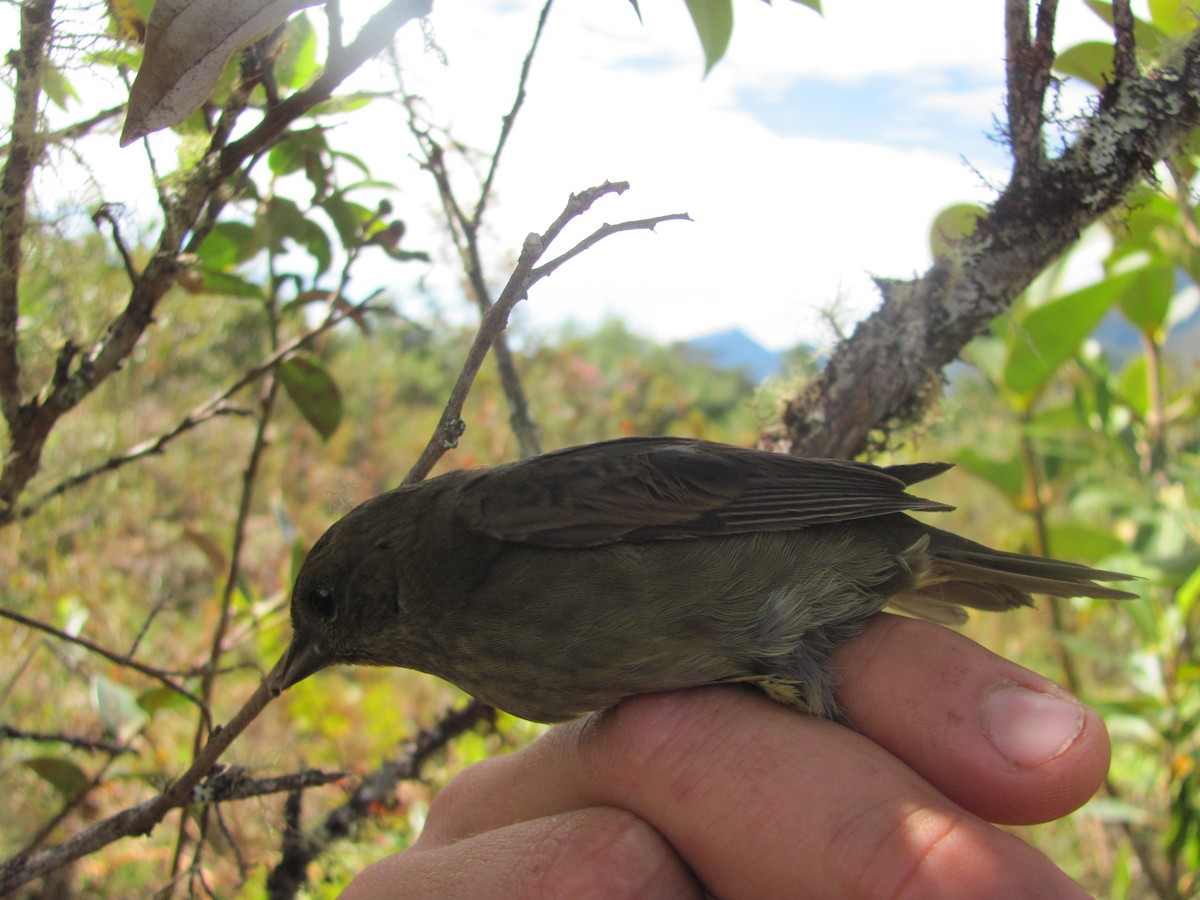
141	818
451	426
1028	77
547	269
105	214
92	745
374	790
485	191
214	406
124	661
29	61
1125	54
464	233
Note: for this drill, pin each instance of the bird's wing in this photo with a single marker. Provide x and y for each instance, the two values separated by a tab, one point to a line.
640	489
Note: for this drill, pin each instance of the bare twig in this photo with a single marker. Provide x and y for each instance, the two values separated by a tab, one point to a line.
924	324
217	405
235	783
79	373
25	149
1125	55
510	118
92	745
124	661
77	130
105	214
1028	77
547	269
450	427
465	230
142	818
376	789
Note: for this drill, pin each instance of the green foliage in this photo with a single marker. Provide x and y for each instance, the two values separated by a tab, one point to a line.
714	25
314	392
1097	460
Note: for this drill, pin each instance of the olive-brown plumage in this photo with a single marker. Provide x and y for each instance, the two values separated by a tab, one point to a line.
562	583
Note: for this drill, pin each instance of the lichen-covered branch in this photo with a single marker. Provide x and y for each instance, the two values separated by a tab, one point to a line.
24	151
78	371
886	374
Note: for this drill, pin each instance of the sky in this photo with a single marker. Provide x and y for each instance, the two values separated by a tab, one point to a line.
813	157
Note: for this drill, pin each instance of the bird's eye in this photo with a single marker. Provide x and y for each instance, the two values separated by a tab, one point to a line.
321	601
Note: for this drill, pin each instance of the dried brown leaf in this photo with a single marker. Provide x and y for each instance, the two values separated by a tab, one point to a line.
188	43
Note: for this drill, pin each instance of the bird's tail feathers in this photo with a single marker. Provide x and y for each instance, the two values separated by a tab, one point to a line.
953	572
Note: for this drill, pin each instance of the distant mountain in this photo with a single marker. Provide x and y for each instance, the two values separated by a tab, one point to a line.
734	349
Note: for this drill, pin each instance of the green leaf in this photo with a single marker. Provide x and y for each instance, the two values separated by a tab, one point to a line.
953	224
212	281
58	88
157	699
1091	61
66	777
297	63
814	5
1175	16
317	243
117	707
1077	541
347	217
1146	301
1188	593
1006	475
280	218
227	245
714	23
1134	386
314	392
1047	336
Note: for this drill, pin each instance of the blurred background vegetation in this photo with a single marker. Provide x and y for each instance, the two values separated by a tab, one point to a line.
1074	424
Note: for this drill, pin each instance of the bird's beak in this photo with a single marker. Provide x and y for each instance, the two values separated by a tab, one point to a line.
304	657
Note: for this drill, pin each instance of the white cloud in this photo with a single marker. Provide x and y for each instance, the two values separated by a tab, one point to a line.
784	224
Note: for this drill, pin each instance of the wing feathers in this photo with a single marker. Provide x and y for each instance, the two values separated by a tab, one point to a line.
640	489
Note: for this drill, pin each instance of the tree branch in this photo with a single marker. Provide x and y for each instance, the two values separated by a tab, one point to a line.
450	427
24	152
92	745
30	423
140	819
924	324
547	269
1027	71
289	875
124	661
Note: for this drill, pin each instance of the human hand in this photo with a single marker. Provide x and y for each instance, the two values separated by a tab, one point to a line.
724	791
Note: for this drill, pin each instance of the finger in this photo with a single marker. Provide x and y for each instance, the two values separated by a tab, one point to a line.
760	801
601	853
999	740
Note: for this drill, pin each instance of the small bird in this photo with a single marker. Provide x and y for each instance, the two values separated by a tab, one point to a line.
562	583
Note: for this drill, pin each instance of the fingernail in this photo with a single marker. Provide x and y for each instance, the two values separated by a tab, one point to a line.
1030	728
